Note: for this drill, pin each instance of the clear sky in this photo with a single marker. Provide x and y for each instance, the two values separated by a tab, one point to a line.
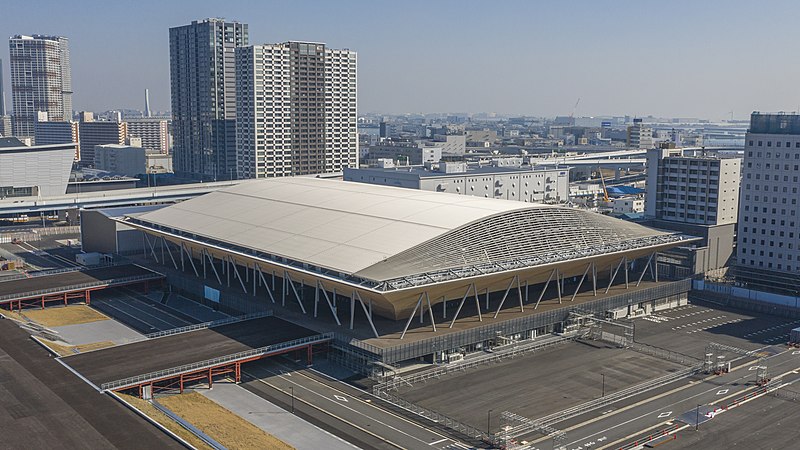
673	58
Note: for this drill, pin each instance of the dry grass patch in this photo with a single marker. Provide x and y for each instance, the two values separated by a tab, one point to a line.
145	407
57	316
66	350
221	424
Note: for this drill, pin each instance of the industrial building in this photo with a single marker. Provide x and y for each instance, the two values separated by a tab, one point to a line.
392	253
533	184
34	171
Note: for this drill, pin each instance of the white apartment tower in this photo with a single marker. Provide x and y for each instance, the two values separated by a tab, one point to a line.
296	110
769	215
41	80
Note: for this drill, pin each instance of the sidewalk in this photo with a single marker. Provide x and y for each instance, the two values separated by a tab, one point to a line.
274	420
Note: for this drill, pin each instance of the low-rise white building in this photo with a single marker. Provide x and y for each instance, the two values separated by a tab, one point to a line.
525	183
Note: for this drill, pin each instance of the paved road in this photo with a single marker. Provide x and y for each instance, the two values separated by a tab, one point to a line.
340	409
621	422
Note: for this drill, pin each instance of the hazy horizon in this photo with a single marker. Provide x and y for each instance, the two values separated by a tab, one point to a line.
675	59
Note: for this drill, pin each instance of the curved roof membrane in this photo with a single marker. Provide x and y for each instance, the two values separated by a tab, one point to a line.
397	237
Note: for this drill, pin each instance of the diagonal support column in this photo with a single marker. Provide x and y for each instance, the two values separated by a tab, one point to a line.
191	258
478	302
461	305
169	252
152	247
626	272
330	304
559	284
368	313
236	275
213	267
266	286
508	289
614	275
644	271
296	295
411	317
430	311
594	278
546	284
580	282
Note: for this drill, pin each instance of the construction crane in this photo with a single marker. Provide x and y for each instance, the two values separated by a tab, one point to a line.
574	108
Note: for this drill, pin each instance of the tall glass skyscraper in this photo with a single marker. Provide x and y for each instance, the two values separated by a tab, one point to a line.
41	80
203	87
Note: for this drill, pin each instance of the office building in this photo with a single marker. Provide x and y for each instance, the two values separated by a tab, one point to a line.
93	134
639	135
296	110
769	237
696	192
41	80
63	132
153	132
34	171
402	153
451	144
203	91
523	183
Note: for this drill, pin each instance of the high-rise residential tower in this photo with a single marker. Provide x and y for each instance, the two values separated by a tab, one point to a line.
296	110
203	88
768	252
41	80
2	92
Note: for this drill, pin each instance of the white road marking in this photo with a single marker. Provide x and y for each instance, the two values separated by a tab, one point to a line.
665	414
438	442
340	398
722	391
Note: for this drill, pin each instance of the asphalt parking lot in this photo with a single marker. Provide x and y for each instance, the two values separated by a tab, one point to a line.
689	329
537	384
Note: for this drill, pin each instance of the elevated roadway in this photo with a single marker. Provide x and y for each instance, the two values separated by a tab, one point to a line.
104	199
63	285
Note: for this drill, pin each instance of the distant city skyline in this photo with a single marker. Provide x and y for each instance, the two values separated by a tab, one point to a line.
684	59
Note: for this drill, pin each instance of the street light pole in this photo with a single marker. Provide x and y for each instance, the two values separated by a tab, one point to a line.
697	418
488	422
291	388
604	384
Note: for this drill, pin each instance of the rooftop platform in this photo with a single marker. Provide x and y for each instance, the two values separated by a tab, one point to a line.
73	281
42	405
153	355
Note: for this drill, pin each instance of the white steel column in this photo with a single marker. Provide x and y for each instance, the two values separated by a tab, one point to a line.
368	313
646	266
508	289
580	282
297	296
545	288
614	274
461	305
213	267
411	317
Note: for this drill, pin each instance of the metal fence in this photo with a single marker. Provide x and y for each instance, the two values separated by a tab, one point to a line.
439	418
213	323
75	287
152	376
549	420
521	324
498	354
33	236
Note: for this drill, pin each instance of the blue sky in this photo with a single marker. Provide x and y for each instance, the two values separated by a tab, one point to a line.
675	58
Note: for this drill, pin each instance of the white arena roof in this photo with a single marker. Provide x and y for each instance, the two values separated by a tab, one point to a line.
394	236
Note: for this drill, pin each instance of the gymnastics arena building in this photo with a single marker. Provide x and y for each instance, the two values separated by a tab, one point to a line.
363	261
